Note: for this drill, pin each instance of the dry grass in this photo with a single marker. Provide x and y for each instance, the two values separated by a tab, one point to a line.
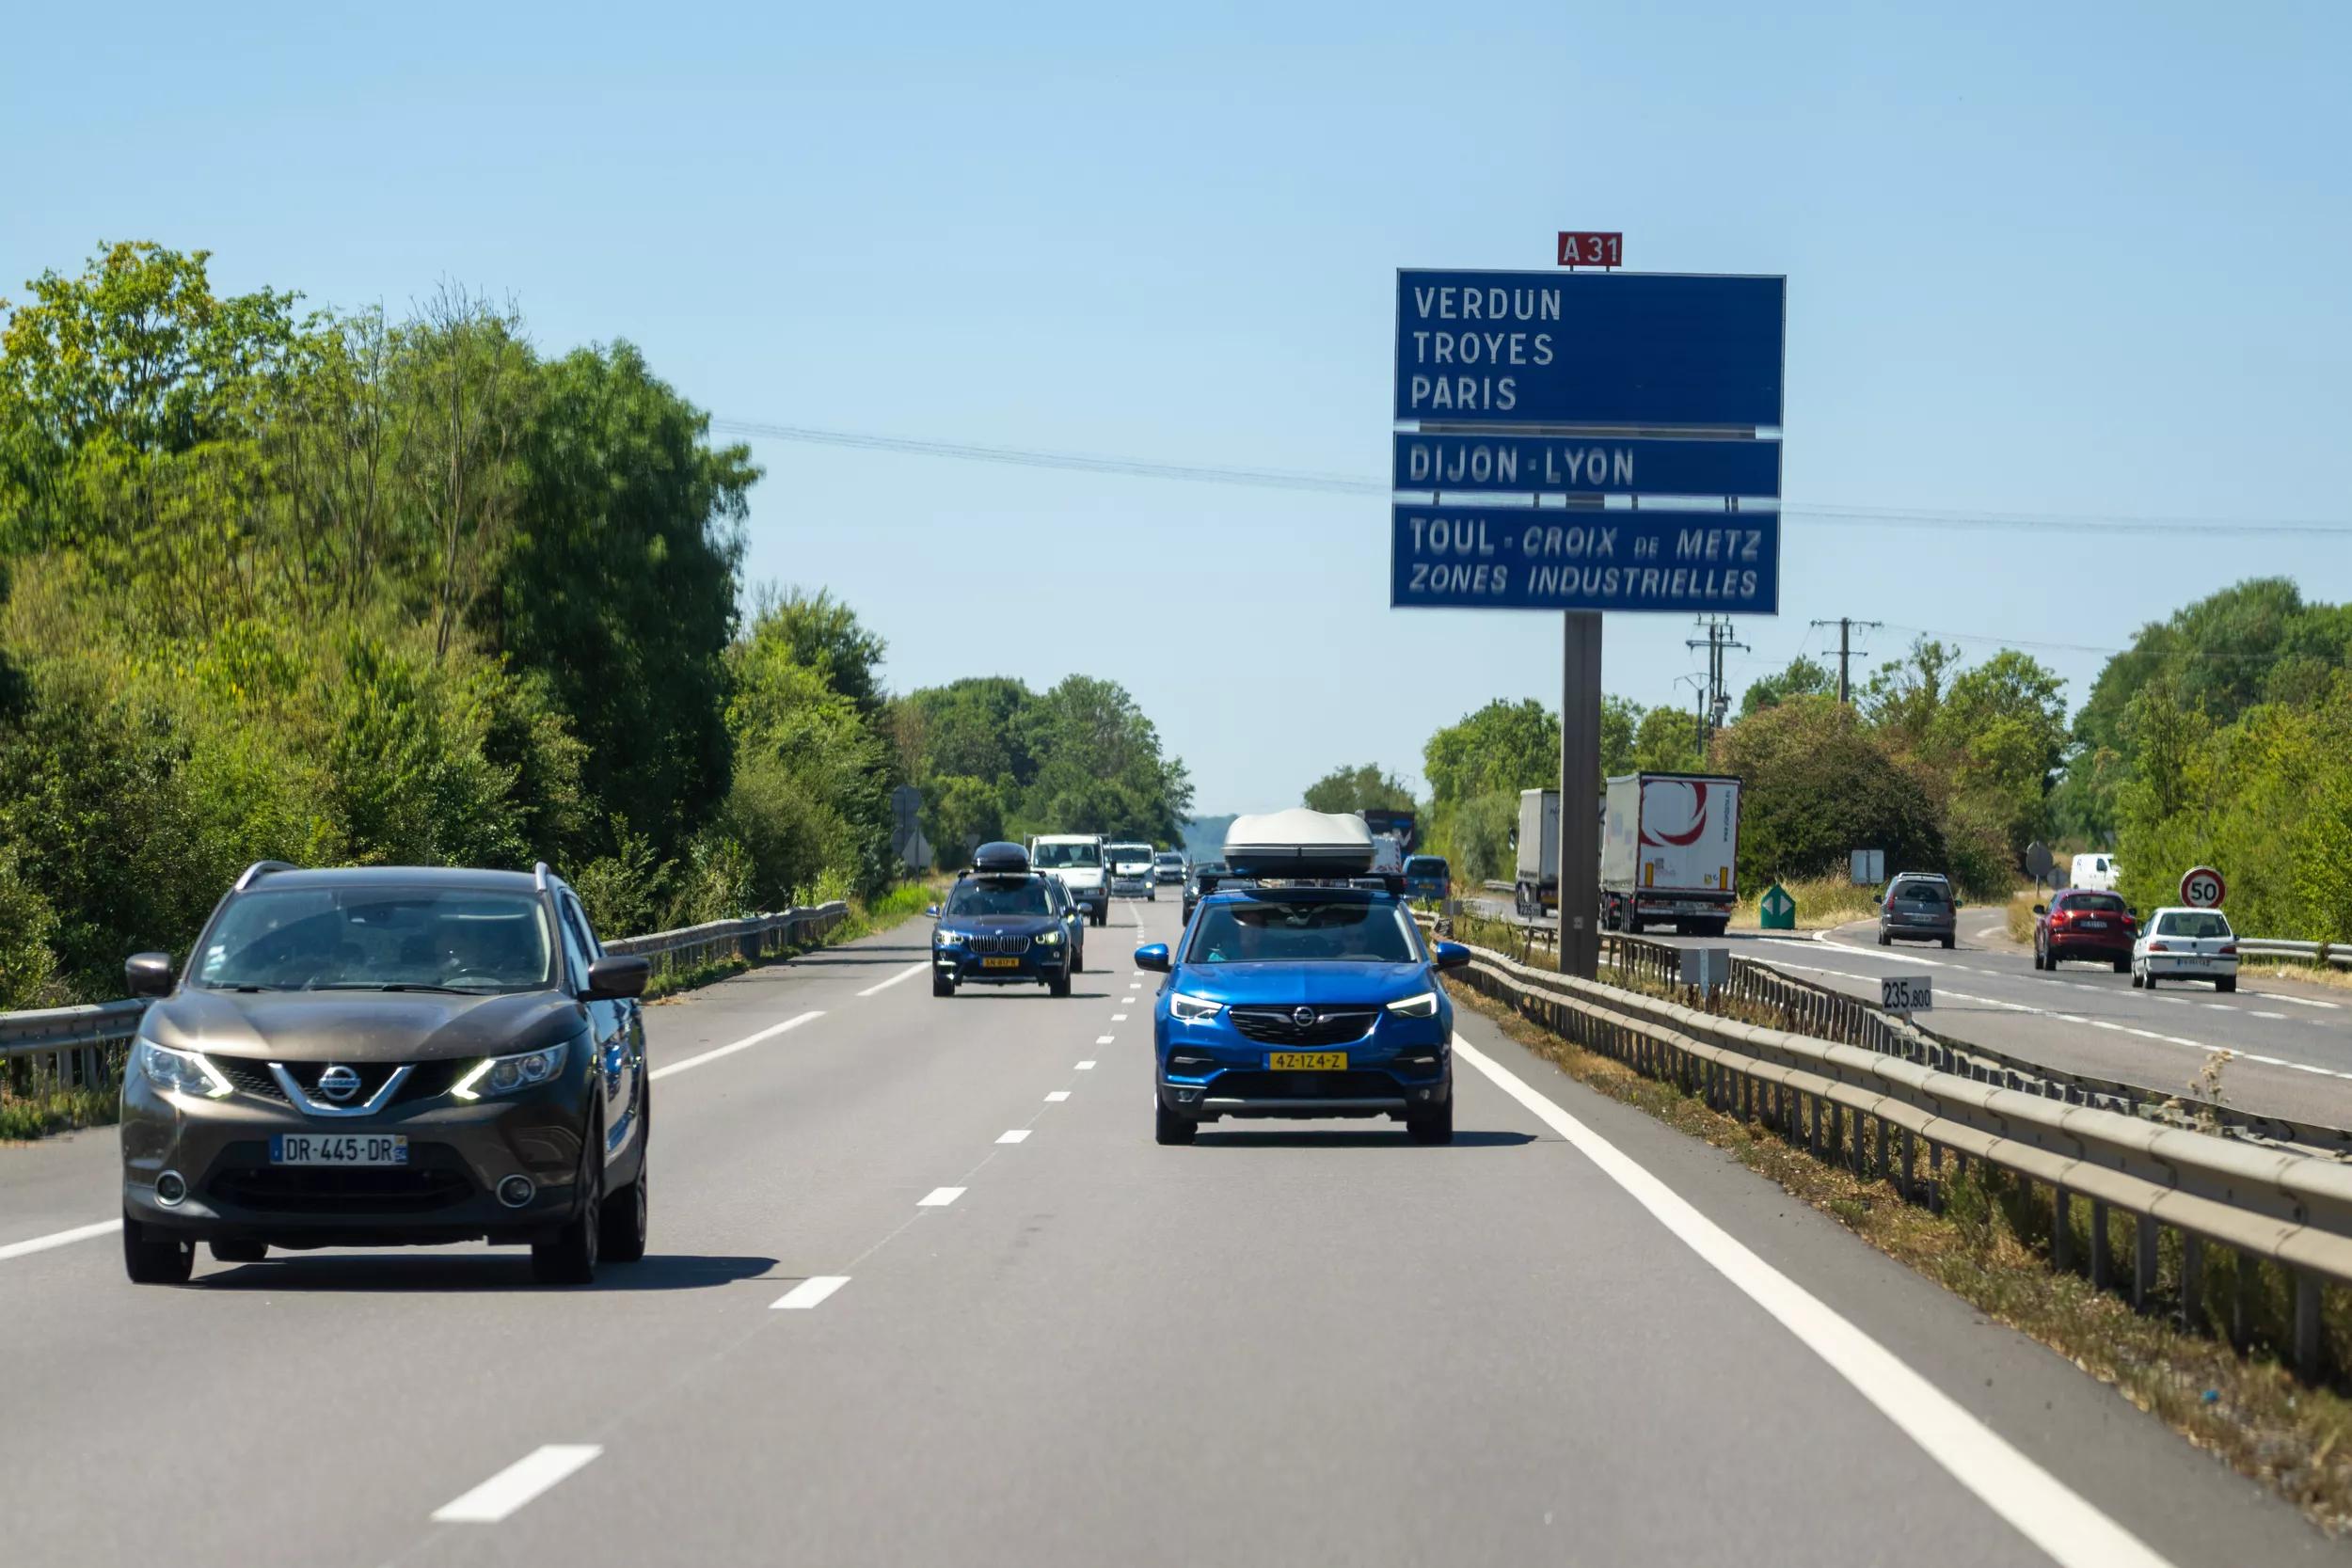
1821	903
1992	1247
2020	918
46	1108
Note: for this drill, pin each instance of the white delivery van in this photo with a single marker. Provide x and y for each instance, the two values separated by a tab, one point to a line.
2097	871
1076	860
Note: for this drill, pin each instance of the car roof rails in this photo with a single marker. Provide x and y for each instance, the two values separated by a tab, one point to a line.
259	869
541	875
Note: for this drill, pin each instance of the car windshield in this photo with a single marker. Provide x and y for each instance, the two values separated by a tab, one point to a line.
2192	923
1061	857
1165	858
1266	931
377	939
1920	892
1124	853
1209	868
2092	903
1026	897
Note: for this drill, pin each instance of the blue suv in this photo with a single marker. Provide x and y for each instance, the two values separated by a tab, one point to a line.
1303	1001
1002	926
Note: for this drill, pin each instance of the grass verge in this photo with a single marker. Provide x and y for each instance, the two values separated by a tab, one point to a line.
2020	918
1991	1245
48	1108
1821	903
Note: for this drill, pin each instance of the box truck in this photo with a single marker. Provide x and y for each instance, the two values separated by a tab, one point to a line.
1670	852
1536	888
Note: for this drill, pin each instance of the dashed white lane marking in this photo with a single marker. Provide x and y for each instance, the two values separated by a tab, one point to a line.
516	1485
2273	1017
2037	1504
1119	1017
939	1198
809	1292
63	1237
1086	1065
1057	1096
1102	1039
1018	1135
744	1044
907	974
2222	1006
2299	1001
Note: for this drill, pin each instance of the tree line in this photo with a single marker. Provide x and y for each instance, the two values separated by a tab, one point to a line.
2222	736
337	587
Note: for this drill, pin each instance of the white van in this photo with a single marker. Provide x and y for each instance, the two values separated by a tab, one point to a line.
1076	860
2097	871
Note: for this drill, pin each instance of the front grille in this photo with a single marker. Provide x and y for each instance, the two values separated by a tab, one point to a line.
432	1080
999	947
1280	1026
371	1076
1352	1084
250	1077
349	1190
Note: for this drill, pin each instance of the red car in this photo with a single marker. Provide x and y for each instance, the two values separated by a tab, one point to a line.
2092	927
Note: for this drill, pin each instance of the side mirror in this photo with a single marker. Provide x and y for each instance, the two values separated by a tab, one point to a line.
1877	899
2042	909
1153	957
613	978
148	974
931	910
1452	955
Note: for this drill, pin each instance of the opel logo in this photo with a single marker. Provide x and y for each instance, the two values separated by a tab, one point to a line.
1303	1016
339	1083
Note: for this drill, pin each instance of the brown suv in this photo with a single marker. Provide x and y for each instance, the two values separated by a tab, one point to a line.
387	1056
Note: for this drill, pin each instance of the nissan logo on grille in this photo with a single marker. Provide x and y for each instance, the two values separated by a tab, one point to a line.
339	1083
1303	1016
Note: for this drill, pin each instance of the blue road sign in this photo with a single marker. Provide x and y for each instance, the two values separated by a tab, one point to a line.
1586	466
1530	557
1548	348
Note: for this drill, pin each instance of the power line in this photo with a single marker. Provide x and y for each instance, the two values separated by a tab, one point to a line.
1845	626
1834	515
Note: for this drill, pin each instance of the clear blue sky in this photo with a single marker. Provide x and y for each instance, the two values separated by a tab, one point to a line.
2042	259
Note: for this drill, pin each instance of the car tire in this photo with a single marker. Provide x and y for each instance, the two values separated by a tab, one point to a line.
1884	941
2226	984
237	1249
163	1259
1059	985
1170	1128
943	984
627	1212
569	1256
2122	966
1947	941
2148	980
1433	1127
2037	961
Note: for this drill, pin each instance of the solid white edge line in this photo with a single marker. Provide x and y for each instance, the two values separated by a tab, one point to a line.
907	974
743	1044
516	1485
808	1292
1057	1096
59	1238
1018	1135
2037	1504
939	1198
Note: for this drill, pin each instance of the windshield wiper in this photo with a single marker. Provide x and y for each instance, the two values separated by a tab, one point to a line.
396	985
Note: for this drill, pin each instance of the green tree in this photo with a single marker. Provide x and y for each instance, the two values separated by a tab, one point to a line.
1354	789
1906	694
1502	748
1802	678
1818	784
1667	742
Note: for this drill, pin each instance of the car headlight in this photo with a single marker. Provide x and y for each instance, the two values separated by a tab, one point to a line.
504	1074
1193	1010
946	939
182	1071
1423	1005
1049	939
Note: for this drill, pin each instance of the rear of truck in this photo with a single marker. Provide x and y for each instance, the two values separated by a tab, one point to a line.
1670	852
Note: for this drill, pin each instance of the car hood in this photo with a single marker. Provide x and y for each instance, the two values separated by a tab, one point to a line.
361	1026
1313	984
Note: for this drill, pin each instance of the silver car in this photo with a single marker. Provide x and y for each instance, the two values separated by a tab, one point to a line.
1917	907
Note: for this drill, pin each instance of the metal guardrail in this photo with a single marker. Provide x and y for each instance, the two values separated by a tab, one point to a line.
2336	953
1884	1115
80	1046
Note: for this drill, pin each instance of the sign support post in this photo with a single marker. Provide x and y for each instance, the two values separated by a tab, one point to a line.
1579	794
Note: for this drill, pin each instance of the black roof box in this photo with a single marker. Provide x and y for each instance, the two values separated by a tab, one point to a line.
1001	859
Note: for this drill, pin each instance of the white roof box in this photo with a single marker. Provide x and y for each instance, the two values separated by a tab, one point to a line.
1298	843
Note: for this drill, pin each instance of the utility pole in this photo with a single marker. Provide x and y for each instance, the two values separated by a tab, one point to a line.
1719	639
1845	626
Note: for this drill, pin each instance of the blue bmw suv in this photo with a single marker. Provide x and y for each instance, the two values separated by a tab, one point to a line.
1001	926
1303	1001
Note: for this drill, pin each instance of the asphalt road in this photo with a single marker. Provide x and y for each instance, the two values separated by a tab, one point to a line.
906	1303
2289	1043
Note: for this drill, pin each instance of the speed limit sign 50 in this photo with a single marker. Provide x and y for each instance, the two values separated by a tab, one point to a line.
2203	889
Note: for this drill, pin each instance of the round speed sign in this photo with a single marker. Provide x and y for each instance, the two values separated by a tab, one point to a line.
2203	889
